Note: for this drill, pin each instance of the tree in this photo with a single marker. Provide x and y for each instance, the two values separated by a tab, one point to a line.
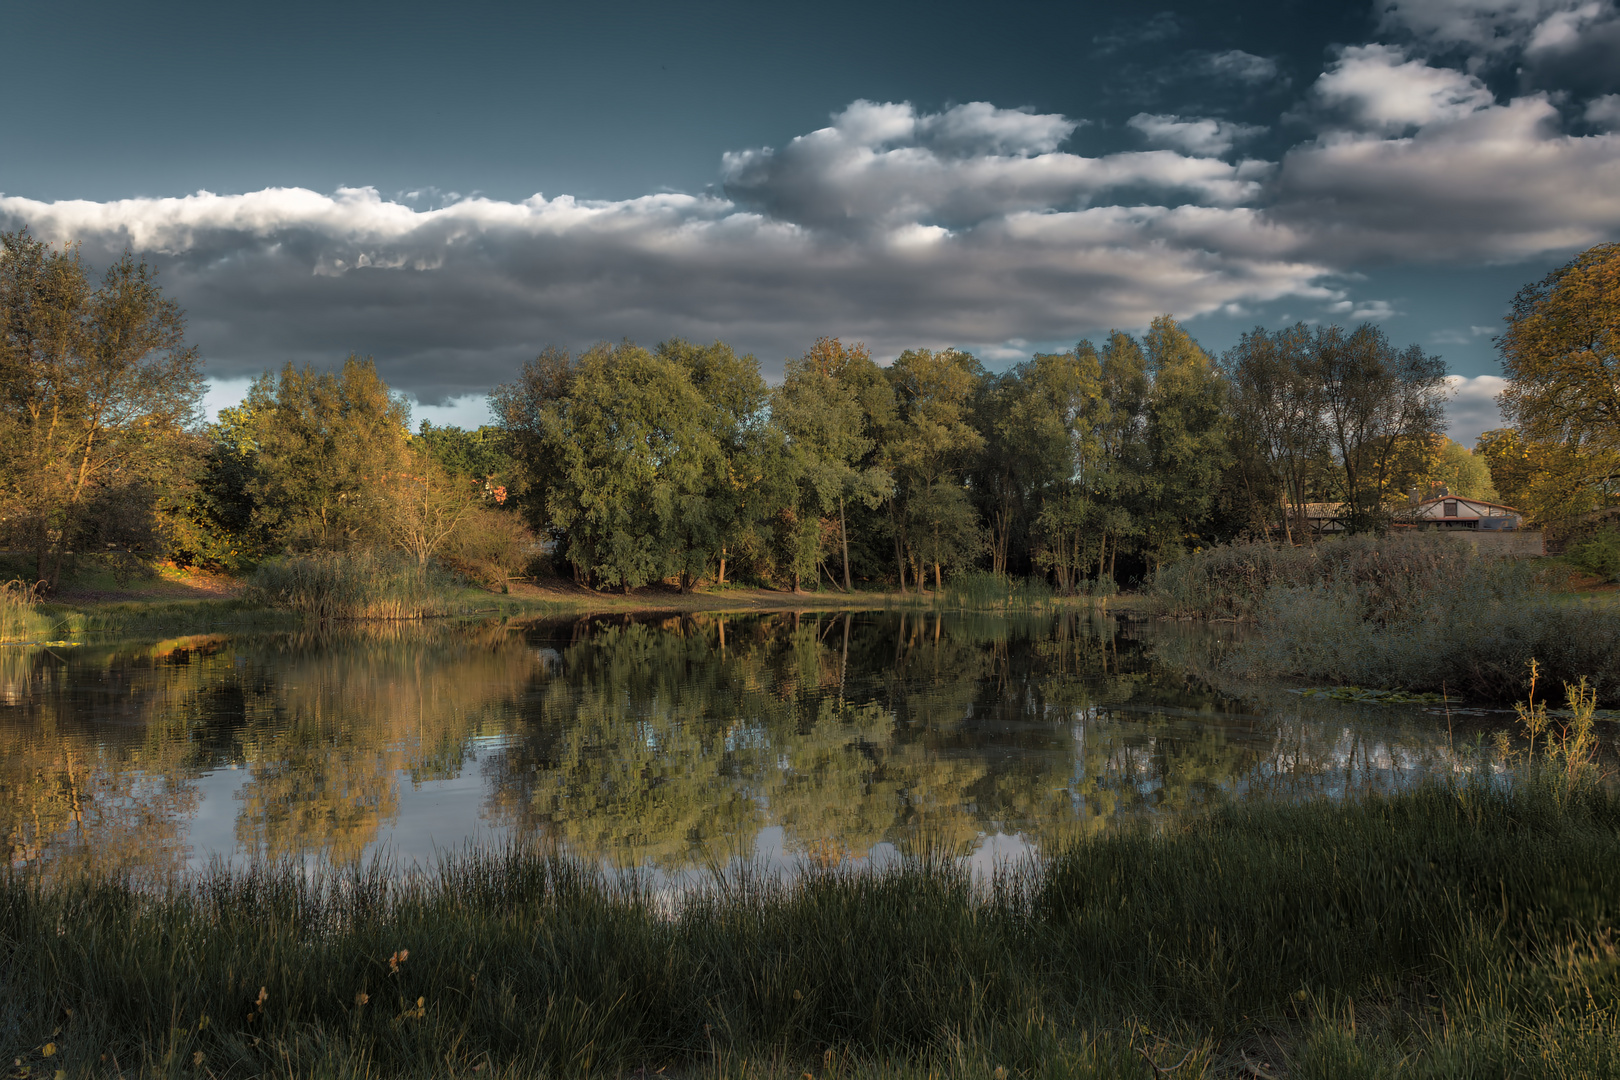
1186	440
819	410
720	511
931	440
321	445
620	446
1508	460
1276	416
1372	398
97	391
1561	355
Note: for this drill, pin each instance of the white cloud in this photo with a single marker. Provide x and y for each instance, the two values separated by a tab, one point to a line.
1364	310
891	225
1604	112
1202	137
1472	408
1481	25
878	165
1500	182
1242	66
1375	87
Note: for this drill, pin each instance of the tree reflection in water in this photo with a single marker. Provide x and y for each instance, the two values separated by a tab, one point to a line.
672	741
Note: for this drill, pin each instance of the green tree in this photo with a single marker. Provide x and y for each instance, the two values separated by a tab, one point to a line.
625	457
928	446
1186	435
97	392
321	445
1561	356
819	408
740	486
1276	421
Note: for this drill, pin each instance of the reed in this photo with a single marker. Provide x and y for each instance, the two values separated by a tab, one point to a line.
1448	931
358	584
21	618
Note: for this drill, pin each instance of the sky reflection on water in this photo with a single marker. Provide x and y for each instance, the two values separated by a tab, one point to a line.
677	743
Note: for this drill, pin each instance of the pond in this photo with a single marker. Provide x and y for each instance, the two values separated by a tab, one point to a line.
676	743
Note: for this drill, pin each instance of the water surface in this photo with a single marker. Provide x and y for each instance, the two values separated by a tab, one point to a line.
678	742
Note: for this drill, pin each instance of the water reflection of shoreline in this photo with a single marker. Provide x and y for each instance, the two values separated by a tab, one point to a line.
672	743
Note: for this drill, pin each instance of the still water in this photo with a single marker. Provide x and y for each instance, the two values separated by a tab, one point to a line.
675	743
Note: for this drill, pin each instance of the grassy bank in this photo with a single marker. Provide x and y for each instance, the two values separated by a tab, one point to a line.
1422	612
1444	932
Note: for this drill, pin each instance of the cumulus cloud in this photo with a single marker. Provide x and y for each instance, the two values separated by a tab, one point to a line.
1377	88
1553	44
1201	137
1476	25
1472	407
971	226
1494	182
1604	112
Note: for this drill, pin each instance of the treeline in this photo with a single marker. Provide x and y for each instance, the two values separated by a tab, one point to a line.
625	465
1085	466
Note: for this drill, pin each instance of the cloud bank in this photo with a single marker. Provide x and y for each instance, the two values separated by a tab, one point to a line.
974	225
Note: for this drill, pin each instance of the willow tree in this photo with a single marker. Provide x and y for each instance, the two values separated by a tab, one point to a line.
97	391
1561	355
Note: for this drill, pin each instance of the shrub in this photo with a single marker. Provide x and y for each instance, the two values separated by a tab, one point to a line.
1470	627
1234	581
1598	554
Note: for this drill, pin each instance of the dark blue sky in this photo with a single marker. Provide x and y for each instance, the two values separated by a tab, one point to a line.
1400	164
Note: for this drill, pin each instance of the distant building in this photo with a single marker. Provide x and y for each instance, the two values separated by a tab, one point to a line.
1455	512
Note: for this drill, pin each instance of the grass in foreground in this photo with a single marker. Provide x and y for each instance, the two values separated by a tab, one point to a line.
1445	932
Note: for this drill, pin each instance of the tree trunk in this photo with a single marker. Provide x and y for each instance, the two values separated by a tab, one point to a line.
843	531
722	579
900	559
938	583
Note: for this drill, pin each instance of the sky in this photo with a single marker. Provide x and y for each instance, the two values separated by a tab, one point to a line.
449	189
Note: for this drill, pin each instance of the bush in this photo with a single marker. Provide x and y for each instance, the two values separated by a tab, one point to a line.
1598	554
1234	581
1470	627
354	585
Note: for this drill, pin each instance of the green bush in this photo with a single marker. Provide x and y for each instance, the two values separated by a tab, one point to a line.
1598	554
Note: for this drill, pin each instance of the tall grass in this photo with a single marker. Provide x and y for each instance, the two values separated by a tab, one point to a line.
980	591
1448	931
358	584
20	616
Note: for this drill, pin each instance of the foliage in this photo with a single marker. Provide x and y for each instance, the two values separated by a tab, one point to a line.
1598	554
1452	930
1424	613
97	388
1561	355
317	445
